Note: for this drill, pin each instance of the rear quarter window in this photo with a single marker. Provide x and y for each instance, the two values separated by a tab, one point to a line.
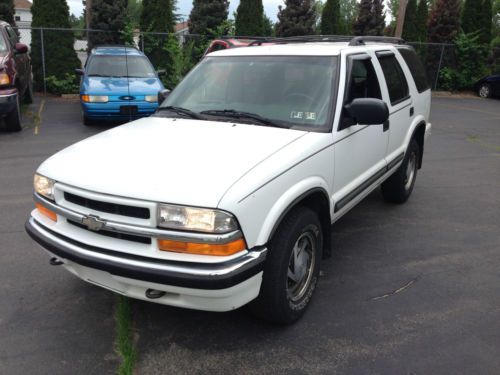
416	68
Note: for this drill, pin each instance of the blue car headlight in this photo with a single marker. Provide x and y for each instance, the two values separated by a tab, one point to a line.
151	98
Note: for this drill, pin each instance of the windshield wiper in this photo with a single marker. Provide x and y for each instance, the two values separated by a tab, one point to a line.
244	115
182	111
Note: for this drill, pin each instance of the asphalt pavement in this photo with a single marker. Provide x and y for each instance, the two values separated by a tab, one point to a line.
410	289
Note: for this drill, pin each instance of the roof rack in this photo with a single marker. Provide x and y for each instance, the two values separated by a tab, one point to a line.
353	41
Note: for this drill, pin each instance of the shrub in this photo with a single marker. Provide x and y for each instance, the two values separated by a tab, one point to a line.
67	85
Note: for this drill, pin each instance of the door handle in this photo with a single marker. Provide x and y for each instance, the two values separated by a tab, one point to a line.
412	111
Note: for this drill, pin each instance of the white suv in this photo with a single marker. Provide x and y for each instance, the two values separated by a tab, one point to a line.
227	194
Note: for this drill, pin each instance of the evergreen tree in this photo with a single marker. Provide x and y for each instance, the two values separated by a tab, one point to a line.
207	15
111	17
296	18
444	21
268	26
422	16
470	13
348	13
250	18
485	18
7	11
163	50
371	18
330	18
378	18
410	28
60	57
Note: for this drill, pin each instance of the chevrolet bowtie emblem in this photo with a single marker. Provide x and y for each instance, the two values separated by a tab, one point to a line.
93	223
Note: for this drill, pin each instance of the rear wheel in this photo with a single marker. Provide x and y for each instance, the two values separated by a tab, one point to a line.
398	187
28	95
13	119
292	268
484	91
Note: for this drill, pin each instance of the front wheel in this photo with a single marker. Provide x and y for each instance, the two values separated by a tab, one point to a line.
13	119
398	187
484	91
292	268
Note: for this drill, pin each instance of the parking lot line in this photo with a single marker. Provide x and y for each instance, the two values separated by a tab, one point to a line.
466	108
38	120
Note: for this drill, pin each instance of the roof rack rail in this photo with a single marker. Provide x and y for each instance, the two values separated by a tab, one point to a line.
353	41
360	40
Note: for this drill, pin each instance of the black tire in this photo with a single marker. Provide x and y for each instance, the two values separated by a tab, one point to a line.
398	187
13	119
87	121
282	299
484	91
28	94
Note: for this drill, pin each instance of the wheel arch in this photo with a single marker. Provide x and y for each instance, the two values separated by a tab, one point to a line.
419	135
316	199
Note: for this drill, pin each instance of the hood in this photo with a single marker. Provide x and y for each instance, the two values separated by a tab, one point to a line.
121	85
168	160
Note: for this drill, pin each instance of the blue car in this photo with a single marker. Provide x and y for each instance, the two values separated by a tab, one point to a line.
118	83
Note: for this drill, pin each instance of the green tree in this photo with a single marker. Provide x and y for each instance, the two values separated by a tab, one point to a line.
485	20
421	21
134	10
348	13
7	11
444	21
60	57
370	19
207	15
250	18
298	17
330	18
410	28
110	16
470	13
393	9
268	26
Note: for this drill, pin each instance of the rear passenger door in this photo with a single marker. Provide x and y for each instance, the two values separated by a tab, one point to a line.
397	96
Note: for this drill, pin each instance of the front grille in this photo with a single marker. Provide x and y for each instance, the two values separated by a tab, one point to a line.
111	208
121	236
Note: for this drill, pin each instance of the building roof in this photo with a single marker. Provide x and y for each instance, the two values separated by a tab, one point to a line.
22	4
181	26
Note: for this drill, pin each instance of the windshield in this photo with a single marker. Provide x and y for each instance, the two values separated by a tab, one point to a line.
119	66
292	90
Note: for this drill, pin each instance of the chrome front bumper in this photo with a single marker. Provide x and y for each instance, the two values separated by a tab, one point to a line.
209	276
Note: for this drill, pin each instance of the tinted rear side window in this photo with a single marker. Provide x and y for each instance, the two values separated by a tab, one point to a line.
394	77
416	68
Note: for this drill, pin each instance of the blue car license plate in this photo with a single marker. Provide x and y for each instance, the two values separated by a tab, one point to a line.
128	110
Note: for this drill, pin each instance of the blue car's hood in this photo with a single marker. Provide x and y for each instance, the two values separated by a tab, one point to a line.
121	86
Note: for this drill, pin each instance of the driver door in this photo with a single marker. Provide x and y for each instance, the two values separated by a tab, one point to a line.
359	149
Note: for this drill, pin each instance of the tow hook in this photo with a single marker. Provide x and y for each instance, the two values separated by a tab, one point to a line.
55	262
154	294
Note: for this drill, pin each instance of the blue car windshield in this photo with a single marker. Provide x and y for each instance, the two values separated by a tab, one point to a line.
120	66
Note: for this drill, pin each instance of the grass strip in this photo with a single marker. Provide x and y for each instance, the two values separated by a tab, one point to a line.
124	337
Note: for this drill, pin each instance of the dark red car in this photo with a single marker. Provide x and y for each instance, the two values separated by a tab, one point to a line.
235	42
16	81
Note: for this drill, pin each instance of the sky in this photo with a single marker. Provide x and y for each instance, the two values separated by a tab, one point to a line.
184	7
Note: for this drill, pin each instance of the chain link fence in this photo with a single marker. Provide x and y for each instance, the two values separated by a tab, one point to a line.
181	49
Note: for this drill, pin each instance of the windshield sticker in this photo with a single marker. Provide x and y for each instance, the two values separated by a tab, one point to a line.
311	116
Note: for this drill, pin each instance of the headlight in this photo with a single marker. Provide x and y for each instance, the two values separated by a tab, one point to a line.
44	186
95	98
195	219
151	98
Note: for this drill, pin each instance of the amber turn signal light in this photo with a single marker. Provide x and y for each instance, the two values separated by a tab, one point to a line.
202	248
85	98
4	79
46	212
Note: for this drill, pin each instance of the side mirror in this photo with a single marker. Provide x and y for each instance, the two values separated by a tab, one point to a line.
162	95
368	111
79	72
21	48
161	71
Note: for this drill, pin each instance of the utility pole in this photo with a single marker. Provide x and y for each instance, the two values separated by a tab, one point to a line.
401	18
